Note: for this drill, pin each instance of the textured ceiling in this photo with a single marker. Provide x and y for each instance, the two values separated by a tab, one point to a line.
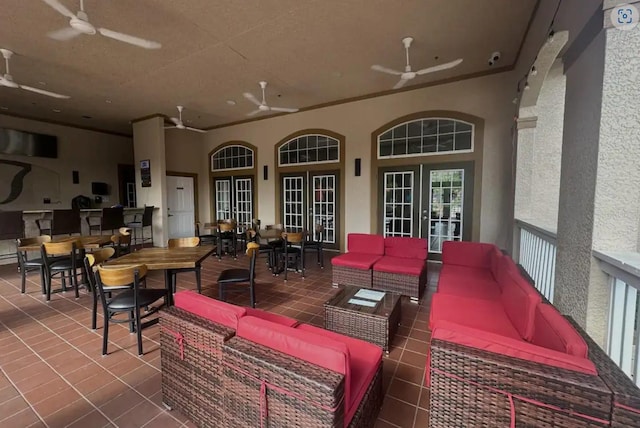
309	51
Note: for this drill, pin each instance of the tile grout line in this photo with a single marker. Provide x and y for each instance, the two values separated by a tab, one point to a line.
83	353
22	396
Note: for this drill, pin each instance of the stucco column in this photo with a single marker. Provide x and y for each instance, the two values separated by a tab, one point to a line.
149	145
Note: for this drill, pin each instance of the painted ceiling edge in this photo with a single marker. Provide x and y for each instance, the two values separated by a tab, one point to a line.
67	124
149	116
534	14
373	95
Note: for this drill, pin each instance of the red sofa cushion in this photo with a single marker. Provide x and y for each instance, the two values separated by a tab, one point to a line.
355	260
495	260
481	314
314	348
400	265
487	341
270	316
506	267
211	309
405	247
365	359
552	330
365	243
469	282
473	254
519	300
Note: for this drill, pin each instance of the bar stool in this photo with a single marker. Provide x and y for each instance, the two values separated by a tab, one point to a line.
65	222
139	223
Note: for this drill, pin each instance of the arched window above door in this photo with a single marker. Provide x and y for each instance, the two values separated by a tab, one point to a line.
232	157
309	149
424	137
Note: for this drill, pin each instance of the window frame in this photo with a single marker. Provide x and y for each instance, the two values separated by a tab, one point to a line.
231	146
329	137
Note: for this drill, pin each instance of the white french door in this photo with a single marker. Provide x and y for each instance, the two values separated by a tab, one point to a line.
310	199
233	199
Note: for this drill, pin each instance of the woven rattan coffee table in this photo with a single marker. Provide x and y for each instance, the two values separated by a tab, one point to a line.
377	324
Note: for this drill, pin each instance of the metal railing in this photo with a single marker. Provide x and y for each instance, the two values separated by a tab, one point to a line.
537	255
623	335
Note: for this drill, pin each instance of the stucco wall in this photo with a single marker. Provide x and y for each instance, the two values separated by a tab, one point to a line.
578	179
95	155
484	97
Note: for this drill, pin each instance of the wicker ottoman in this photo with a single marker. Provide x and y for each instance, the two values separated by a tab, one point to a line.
377	324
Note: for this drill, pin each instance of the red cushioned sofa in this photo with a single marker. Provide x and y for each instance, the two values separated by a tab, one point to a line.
500	356
395	264
229	366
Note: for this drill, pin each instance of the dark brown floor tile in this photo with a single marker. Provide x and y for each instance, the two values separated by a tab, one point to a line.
404	391
410	374
121	404
56	402
422	418
92	419
397	412
7	393
69	413
164	420
424	398
24	418
417	346
139	415
13	406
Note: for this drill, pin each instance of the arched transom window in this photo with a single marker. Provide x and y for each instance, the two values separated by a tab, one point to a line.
232	157
310	148
422	137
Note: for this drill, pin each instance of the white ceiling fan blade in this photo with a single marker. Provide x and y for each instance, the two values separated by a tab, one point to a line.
400	83
175	120
60	8
132	40
386	70
285	109
64	34
170	127
202	131
8	83
43	92
252	98
439	67
253	113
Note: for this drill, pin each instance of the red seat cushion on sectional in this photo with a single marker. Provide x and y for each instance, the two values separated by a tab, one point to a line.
468	282
356	260
484	340
474	254
269	316
365	359
211	309
519	300
365	243
399	265
316	349
552	330
405	247
481	314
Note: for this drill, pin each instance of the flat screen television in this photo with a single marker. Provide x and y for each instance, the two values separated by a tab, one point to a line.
98	188
14	142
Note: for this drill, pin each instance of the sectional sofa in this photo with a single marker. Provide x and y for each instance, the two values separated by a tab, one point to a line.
501	356
395	264
229	366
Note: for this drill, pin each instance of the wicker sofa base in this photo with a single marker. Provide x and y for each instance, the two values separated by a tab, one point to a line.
264	387
191	362
471	387
407	285
343	275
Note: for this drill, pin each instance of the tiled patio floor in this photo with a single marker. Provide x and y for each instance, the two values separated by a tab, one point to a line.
53	373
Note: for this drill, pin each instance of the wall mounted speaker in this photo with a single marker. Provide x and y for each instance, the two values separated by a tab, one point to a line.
265	172
358	166
75	176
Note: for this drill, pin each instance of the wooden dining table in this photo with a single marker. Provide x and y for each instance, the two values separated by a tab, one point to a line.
89	242
165	259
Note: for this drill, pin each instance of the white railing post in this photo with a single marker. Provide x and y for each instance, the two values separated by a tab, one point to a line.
537	256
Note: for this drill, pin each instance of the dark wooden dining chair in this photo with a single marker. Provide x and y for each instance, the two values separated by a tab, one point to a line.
61	258
31	264
293	257
227	239
130	298
269	250
314	242
91	262
122	241
185	243
240	279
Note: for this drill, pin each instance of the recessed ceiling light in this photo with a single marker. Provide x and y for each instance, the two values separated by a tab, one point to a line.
84	116
42	83
56	110
108	101
231	102
4	108
336	74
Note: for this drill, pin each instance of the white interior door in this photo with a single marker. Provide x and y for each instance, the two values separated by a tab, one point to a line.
180	206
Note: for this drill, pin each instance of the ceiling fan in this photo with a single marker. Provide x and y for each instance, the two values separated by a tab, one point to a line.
179	125
7	81
408	74
79	24
262	106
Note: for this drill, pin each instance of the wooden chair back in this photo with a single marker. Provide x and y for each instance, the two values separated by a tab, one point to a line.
57	248
252	247
38	240
124	231
293	237
226	227
191	242
100	256
120	276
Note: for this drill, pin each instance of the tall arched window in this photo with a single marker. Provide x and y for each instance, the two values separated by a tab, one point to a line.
232	157
310	148
423	137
